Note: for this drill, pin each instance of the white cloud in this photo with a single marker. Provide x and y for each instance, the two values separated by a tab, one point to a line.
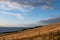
44	7
19	16
25	5
8	5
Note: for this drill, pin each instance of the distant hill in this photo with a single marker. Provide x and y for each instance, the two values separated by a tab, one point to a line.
48	32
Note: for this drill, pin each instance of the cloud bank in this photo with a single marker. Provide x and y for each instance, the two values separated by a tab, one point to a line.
48	21
43	22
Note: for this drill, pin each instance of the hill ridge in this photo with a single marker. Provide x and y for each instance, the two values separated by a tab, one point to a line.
34	32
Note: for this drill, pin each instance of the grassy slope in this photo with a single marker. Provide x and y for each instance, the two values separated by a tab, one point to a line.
48	32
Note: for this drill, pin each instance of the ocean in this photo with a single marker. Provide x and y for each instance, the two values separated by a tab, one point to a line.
9	29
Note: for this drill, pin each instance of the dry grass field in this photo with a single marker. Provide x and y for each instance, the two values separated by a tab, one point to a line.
48	32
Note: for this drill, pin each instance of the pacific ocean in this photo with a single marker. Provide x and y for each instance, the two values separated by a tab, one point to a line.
9	29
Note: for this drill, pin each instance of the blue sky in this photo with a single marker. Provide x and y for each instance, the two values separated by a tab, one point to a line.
21	12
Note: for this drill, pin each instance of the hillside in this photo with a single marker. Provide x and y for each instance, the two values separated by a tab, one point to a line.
48	32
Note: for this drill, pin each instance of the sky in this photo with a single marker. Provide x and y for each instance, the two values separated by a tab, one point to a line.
18	13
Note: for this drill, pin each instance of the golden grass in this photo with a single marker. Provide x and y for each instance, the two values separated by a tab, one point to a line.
48	32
